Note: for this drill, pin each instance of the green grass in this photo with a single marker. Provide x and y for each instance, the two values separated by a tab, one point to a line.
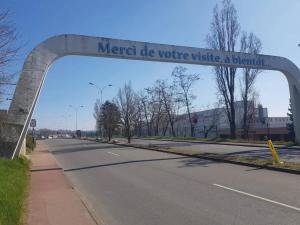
245	159
14	179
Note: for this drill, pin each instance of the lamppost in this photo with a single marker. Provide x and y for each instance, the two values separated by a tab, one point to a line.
100	89
76	111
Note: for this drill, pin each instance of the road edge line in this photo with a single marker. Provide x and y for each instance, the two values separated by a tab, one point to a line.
257	197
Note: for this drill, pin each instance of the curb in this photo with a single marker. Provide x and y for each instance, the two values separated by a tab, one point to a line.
218	160
89	208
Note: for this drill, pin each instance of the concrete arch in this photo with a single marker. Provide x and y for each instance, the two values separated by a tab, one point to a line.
35	68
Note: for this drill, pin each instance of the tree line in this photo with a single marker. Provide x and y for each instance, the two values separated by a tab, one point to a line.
157	107
9	50
154	108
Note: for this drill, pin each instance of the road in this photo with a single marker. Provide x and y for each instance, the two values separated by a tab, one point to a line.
128	186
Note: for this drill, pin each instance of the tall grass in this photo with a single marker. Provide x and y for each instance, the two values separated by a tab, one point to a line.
14	178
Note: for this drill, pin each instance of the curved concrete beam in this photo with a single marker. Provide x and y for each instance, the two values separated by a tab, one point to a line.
39	60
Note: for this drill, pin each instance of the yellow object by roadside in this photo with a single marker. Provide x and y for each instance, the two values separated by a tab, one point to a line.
275	156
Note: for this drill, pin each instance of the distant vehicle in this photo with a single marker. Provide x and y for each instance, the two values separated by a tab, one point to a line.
114	141
98	139
43	137
78	133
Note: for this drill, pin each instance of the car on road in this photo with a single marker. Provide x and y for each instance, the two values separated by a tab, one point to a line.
99	139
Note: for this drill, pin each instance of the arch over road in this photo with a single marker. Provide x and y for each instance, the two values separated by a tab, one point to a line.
37	63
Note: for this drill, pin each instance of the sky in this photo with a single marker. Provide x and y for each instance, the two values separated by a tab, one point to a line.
177	22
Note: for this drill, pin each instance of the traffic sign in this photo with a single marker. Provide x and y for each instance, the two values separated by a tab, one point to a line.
33	123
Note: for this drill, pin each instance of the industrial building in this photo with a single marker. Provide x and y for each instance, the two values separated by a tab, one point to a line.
214	123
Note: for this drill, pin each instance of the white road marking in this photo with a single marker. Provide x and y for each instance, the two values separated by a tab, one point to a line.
113	153
258	197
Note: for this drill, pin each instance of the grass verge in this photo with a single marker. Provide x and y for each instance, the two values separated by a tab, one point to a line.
218	140
292	167
14	179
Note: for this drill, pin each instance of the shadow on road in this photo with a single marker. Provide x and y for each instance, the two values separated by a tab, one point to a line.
45	169
82	149
125	162
72	144
193	162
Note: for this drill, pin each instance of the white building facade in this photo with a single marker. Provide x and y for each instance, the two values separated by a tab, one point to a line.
214	123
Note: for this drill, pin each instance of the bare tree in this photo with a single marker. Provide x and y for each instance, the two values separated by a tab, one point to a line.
183	83
110	117
97	116
249	44
223	36
126	101
144	108
8	50
249	116
138	122
169	102
155	108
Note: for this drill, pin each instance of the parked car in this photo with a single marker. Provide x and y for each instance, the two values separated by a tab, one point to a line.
98	139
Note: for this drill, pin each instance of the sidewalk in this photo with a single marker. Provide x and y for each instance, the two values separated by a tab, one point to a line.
52	201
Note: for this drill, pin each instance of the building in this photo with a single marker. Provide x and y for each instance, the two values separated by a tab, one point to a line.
213	123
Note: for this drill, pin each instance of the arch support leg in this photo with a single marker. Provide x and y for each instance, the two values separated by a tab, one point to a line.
9	134
295	101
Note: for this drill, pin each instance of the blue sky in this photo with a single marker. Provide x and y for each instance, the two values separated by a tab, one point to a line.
275	22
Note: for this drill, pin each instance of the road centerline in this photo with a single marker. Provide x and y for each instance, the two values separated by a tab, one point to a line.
257	197
113	153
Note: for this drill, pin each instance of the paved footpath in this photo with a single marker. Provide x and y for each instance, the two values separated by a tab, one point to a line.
52	200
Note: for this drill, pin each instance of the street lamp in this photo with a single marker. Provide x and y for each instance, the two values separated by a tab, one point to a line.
100	89
76	111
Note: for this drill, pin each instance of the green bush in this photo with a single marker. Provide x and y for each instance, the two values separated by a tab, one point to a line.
14	179
30	143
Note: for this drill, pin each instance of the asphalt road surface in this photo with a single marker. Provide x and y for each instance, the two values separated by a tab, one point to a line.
129	186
